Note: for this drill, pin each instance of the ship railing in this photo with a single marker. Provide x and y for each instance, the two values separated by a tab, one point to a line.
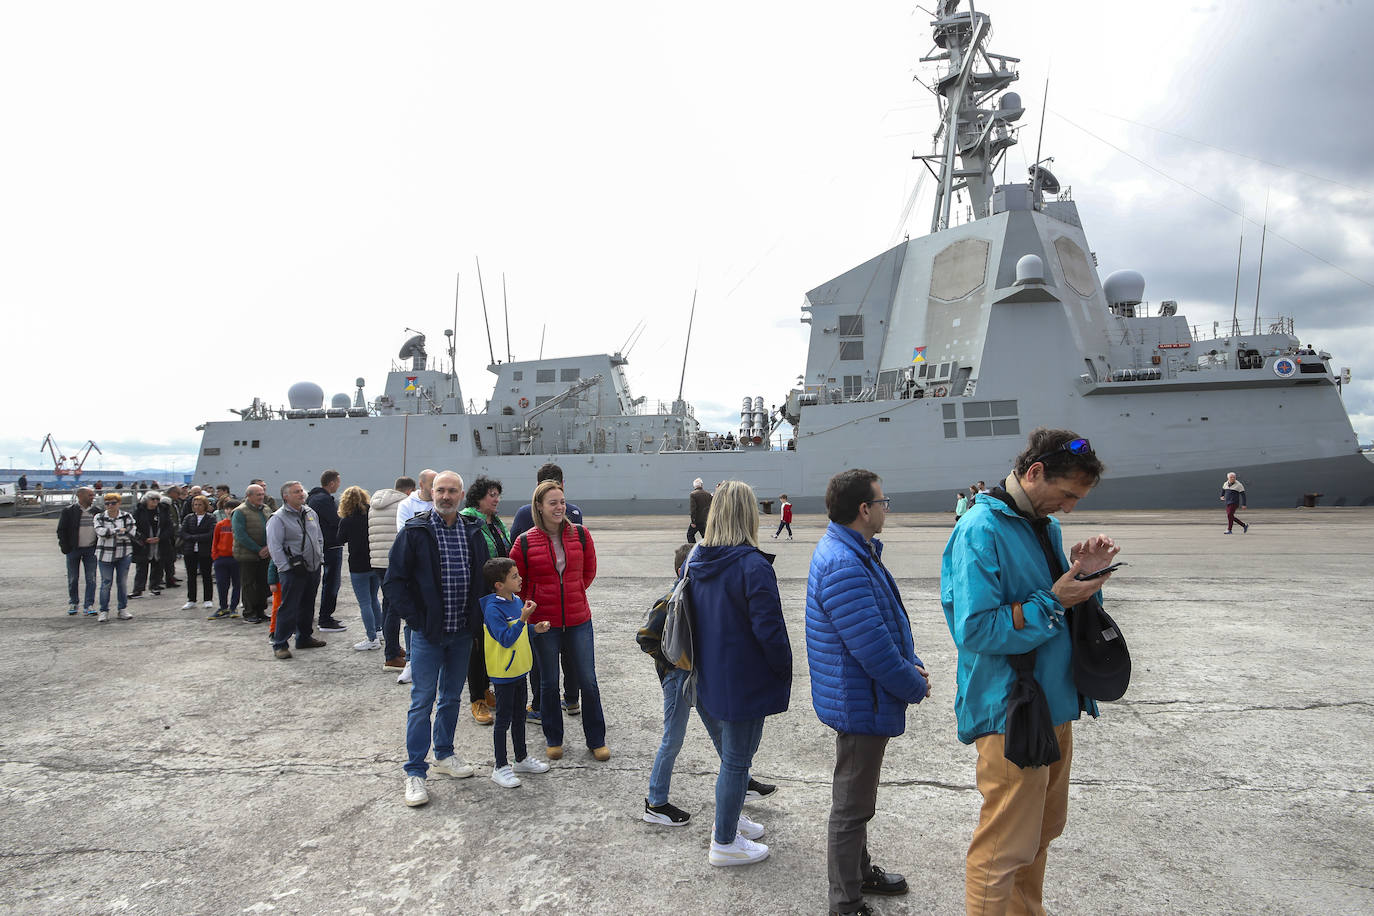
1239	327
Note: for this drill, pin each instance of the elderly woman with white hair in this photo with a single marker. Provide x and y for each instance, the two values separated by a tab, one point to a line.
741	654
700	502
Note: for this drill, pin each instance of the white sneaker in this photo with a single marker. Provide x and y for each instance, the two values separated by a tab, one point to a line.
530	765
188	605
209	604
750	830
742	851
125	615
505	778
416	793
452	766
368	644
404	677
104	616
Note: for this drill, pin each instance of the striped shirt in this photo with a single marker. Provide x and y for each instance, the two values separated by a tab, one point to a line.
455	570
113	536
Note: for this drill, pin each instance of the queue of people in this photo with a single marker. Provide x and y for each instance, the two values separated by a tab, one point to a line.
485	606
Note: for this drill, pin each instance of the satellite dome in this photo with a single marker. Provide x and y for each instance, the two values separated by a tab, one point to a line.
1010	101
340	400
1030	269
1124	287
305	396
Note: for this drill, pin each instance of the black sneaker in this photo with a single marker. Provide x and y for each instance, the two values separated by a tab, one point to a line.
863	910
330	625
666	814
137	594
758	790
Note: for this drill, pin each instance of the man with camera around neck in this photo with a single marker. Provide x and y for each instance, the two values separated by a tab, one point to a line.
296	544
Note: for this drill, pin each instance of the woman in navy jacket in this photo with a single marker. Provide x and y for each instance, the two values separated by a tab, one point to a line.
742	656
197	531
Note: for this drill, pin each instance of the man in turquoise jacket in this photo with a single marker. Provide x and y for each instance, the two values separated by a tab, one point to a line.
1005	586
864	674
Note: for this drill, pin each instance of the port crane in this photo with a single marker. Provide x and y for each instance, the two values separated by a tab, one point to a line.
67	465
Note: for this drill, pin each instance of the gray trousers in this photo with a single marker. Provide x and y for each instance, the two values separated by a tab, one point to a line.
854	799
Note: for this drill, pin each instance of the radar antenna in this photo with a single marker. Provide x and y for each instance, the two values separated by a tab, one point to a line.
687	347
483	291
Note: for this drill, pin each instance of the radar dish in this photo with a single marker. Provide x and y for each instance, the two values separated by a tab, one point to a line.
1044	178
413	347
305	396
340	400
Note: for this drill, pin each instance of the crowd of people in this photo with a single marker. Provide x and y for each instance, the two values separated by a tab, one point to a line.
487	606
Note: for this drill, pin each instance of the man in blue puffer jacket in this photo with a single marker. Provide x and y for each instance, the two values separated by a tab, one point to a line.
1005	586
864	674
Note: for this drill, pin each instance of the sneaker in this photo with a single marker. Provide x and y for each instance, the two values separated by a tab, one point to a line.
1244	528
481	713
758	790
743	851
124	615
504	778
530	765
750	830
416	793
394	664
1226	532
234	613
571	709
104	616
309	642
405	675
208	605
188	605
282	653
221	614
330	625
665	814
367	644
554	752
71	611
89	612
532	715
137	594
602	753
452	766
156	592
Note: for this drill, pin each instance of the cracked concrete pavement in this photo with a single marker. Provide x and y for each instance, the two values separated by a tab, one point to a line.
171	765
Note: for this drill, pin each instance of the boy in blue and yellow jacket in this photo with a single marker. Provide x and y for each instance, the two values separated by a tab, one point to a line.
509	659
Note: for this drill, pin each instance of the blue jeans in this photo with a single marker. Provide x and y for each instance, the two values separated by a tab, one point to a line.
575	645
81	558
227	582
329	583
366	585
676	712
739	742
118	571
436	670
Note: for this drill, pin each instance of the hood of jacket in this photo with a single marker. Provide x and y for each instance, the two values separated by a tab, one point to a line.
707	563
386	498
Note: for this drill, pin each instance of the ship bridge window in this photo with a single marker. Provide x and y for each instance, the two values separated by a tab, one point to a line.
544	375
990	418
851	349
853	386
851	326
569	375
542	398
518	375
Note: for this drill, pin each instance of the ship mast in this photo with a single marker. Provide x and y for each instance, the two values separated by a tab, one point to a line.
972	138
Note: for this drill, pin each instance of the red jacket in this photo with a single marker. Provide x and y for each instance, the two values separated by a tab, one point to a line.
561	600
223	543
787	513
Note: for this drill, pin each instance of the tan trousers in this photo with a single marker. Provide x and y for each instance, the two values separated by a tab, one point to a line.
1023	810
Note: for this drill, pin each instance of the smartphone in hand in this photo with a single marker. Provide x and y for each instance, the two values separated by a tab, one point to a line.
1097	574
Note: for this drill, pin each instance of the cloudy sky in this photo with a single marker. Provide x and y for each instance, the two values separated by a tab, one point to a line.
205	202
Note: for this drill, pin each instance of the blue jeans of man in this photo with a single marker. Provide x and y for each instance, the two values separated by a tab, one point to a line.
739	741
574	644
676	712
297	601
436	670
81	558
329	584
112	573
366	585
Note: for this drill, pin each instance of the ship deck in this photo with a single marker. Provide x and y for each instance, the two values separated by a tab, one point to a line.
171	765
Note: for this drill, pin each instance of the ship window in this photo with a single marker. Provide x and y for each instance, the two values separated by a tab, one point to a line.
544	375
1004	408
569	375
853	385
542	398
851	349
974	428
921	372
236	442
951	430
851	326
211	452
948	411
976	409
362	432
1006	427
453	437
255	443
518	375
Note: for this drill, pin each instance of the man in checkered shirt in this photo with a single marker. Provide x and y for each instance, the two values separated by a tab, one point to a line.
429	584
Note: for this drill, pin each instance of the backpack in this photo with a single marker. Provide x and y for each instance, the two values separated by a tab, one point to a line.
524	543
676	645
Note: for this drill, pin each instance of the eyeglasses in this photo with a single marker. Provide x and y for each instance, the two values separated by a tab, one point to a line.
885	502
1073	446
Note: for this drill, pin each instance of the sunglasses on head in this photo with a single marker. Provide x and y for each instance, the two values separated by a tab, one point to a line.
1073	446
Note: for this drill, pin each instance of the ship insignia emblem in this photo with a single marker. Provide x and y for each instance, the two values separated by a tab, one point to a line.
410	382
1285	367
918	355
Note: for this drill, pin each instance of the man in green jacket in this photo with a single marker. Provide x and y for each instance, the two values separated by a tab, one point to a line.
250	549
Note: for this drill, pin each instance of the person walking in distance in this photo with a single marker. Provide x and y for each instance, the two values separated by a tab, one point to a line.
429	582
76	539
249	524
786	518
297	548
321	499
1233	495
699	504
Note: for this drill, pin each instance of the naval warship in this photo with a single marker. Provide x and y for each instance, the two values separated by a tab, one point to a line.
927	364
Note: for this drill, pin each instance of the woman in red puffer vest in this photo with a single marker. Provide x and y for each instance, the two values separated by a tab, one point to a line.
557	561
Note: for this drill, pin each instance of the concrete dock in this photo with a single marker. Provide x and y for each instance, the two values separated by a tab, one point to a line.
170	765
